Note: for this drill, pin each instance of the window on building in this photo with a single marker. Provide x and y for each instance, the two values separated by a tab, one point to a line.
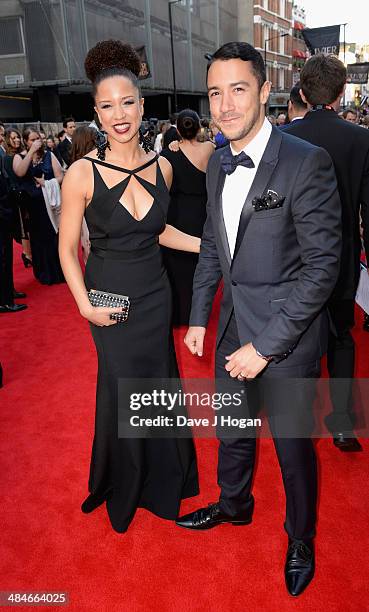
281	44
194	5
282	7
281	76
11	36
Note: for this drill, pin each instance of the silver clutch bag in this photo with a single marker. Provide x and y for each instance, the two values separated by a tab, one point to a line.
111	300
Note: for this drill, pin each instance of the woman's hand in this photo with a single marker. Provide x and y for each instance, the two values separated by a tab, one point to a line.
40	181
100	315
36	145
174	146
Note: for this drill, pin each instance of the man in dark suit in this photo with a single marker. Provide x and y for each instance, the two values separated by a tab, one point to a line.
171	134
273	233
65	146
322	83
7	219
296	109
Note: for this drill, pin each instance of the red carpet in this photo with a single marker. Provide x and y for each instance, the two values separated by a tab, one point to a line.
47	544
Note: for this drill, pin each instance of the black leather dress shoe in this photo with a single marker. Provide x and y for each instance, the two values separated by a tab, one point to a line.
18	295
206	518
346	442
300	566
13	307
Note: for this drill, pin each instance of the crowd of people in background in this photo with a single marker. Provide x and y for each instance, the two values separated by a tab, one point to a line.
35	163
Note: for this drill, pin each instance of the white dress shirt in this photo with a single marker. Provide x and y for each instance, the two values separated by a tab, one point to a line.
237	185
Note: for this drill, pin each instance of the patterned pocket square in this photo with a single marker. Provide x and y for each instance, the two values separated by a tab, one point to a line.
268	202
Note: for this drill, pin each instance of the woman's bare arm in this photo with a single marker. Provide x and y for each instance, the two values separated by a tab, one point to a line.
21	164
57	169
173	238
74	198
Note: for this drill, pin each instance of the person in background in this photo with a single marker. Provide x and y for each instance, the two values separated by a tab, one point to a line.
350	114
158	144
281	119
204	134
65	145
43	137
187	208
323	81
2	134
14	146
219	140
272	119
51	146
50	143
83	141
297	108
171	133
7	214
34	168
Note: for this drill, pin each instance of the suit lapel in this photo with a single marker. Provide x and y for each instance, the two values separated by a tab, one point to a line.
219	211
262	177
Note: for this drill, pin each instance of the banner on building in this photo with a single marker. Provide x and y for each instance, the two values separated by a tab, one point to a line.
145	68
358	73
323	40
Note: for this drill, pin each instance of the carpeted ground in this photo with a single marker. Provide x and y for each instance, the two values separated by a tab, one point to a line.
47	544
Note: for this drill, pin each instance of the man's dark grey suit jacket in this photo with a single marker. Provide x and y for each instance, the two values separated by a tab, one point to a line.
286	259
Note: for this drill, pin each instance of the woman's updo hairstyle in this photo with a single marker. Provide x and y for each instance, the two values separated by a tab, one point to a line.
112	58
188	124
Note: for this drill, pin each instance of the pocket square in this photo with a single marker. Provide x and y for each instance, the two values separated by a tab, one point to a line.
269	201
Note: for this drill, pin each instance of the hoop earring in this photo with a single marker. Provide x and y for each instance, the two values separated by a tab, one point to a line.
145	142
102	144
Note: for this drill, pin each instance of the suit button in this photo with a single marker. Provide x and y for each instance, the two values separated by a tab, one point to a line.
234	283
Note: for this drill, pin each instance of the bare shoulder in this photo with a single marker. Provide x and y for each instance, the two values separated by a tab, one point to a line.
166	169
79	170
79	176
209	145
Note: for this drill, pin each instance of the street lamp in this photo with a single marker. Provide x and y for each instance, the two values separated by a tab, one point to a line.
265	45
172	51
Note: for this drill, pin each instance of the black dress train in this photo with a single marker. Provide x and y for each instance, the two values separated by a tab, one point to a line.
126	259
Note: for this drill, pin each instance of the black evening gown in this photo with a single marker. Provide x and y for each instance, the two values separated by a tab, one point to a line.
43	238
125	258
187	212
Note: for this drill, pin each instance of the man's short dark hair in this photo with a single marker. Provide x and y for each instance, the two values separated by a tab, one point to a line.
61	133
173	118
68	120
323	79
295	97
245	52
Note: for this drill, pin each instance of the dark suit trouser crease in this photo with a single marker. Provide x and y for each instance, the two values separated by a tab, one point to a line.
296	455
341	364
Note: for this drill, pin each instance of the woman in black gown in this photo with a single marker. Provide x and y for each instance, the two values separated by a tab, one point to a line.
125	200
187	209
33	168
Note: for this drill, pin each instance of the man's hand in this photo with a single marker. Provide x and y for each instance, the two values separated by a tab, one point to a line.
245	363
194	340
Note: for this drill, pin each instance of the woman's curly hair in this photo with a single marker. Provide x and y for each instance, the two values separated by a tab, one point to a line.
111	54
110	58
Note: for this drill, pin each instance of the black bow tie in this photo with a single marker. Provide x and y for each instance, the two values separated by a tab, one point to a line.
230	162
